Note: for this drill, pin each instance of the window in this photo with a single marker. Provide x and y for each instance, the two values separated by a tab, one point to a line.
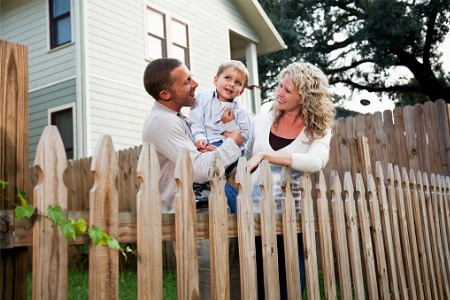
166	37
60	23
63	120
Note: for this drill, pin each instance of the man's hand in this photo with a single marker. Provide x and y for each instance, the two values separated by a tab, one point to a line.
227	115
236	135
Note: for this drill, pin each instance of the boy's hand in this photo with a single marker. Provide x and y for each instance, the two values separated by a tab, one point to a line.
200	144
227	115
236	135
203	146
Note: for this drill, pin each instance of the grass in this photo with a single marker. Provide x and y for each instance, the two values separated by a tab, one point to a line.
79	282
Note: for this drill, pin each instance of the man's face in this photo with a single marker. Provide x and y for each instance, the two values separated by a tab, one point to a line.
183	89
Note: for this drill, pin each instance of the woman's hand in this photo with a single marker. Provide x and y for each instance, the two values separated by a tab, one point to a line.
254	162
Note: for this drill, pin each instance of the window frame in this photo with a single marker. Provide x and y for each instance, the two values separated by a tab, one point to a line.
50	25
168	19
72	106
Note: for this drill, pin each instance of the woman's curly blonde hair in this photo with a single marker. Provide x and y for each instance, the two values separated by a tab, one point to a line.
317	111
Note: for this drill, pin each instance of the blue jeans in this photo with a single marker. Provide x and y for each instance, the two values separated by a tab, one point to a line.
281	266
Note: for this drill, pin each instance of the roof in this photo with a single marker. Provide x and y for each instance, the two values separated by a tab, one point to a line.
261	24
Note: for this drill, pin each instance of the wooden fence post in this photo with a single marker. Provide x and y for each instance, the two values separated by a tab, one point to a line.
13	158
104	212
49	244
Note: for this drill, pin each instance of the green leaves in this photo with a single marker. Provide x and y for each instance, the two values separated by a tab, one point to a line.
70	228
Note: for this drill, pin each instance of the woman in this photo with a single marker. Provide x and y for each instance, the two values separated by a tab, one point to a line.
296	134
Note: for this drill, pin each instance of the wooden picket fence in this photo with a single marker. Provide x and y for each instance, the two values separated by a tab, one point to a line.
381	235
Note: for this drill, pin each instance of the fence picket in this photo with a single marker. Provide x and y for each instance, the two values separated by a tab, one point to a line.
446	211
445	259
388	238
290	236
420	227
380	255
326	245
246	233
186	229
218	232
104	212
340	236
268	234
149	226
404	235
49	270
411	224
367	246
426	233
309	238
438	253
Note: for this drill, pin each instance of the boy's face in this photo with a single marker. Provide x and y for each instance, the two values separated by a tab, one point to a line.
229	84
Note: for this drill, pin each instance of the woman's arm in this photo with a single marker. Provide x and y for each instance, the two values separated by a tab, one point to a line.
273	158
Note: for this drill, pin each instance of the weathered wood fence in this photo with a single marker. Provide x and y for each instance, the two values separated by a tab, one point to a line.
380	238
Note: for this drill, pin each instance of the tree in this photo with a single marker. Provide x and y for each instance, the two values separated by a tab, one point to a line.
363	44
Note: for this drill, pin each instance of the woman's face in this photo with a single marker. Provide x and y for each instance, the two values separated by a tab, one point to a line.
288	99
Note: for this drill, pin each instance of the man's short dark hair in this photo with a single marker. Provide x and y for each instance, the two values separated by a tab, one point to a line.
157	75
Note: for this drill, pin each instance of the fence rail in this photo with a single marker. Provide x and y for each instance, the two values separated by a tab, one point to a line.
379	235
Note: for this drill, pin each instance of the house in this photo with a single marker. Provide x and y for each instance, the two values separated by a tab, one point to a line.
87	58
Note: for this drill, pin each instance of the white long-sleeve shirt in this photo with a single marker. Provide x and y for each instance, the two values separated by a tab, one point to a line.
170	134
305	158
205	118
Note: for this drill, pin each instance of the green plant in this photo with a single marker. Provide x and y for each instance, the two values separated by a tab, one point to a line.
69	227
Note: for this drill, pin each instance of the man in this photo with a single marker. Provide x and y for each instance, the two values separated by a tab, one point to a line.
170	83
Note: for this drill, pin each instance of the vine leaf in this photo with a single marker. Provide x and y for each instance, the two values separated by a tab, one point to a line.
55	214
24	211
95	233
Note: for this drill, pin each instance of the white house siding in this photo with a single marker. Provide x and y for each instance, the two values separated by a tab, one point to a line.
25	22
116	57
51	73
118	103
40	102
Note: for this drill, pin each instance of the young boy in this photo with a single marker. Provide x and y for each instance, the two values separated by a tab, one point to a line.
218	111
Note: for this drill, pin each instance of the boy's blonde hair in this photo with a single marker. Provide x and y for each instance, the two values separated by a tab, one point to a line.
237	65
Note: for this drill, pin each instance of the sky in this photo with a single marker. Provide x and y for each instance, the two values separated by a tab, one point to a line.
381	105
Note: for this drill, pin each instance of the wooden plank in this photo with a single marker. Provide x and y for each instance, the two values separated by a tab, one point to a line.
370	134
421	138
309	239
381	153
411	141
149	226
290	238
14	169
431	127
340	237
446	210
395	226
268	234
404	235
364	156
326	244
378	244
443	121
423	196
48	268
104	212
412	234
185	230
218	232
246	233
344	151
386	224
353	238
366	239
392	148
400	137
445	254
433	214
421	238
